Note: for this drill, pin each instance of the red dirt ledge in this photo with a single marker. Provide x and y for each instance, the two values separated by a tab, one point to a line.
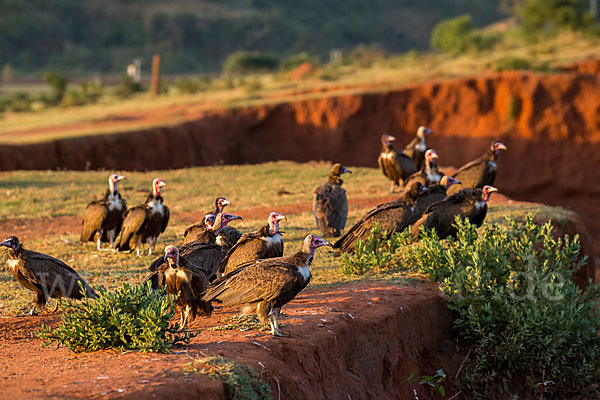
357	341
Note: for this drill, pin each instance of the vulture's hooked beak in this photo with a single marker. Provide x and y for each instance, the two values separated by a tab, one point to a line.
345	170
501	146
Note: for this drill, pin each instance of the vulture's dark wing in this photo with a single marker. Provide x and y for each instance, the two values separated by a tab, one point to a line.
165	221
95	214
249	247
330	206
56	275
134	219
263	280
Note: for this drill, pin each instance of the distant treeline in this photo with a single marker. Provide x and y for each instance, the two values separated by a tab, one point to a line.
77	36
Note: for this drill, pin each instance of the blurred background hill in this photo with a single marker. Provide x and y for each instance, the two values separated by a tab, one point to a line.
196	36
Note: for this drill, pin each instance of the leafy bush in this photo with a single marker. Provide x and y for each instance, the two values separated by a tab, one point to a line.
516	308
296	60
365	56
241	381
127	87
551	15
517	63
191	85
243	62
129	318
457	35
517	313
58	82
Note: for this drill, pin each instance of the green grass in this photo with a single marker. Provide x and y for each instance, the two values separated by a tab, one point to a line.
32	195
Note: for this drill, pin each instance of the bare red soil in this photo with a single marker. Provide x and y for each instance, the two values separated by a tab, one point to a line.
360	341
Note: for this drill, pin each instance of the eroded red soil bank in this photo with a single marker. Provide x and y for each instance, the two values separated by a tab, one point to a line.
551	124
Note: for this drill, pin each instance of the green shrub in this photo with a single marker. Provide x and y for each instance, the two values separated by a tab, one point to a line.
457	35
517	313
553	15
128	318
516	308
516	63
58	82
241	381
127	87
191	85
365	56
243	62
296	60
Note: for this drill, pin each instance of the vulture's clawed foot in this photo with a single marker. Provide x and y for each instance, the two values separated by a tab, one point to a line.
279	333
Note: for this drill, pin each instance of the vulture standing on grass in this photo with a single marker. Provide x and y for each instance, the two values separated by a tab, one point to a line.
145	222
394	164
181	277
103	218
200	232
468	203
330	203
47	276
396	215
264	286
417	147
264	243
481	171
205	253
429	173
228	236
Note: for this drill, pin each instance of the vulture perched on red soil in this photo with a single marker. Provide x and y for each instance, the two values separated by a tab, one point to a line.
264	286
264	243
204	253
417	147
228	236
181	277
145	222
396	215
394	164
468	203
481	171
47	276
429	173
330	203
103	218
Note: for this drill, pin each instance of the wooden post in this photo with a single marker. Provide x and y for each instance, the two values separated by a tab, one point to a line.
155	72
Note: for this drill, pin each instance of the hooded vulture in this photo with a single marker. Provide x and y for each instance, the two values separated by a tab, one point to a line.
468	203
180	276
264	243
145	222
396	215
264	286
330	204
417	147
394	164
103	218
205	254
481	171
47	276
429	173
228	236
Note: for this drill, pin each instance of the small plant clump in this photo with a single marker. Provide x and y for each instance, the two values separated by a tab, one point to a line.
241	381
521	320
433	382
242	323
132	317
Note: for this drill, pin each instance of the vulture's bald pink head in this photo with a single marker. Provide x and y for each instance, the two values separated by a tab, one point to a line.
448	181
157	185
273	220
113	180
497	145
387	139
220	203
313	242
430	156
209	221
487	191
172	255
423	132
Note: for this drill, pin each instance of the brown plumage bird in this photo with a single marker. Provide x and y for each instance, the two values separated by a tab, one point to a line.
395	216
204	253
228	236
481	171
47	276
103	218
417	147
264	243
264	286
145	222
181	277
330	203
394	164
468	203
429	173
200	232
